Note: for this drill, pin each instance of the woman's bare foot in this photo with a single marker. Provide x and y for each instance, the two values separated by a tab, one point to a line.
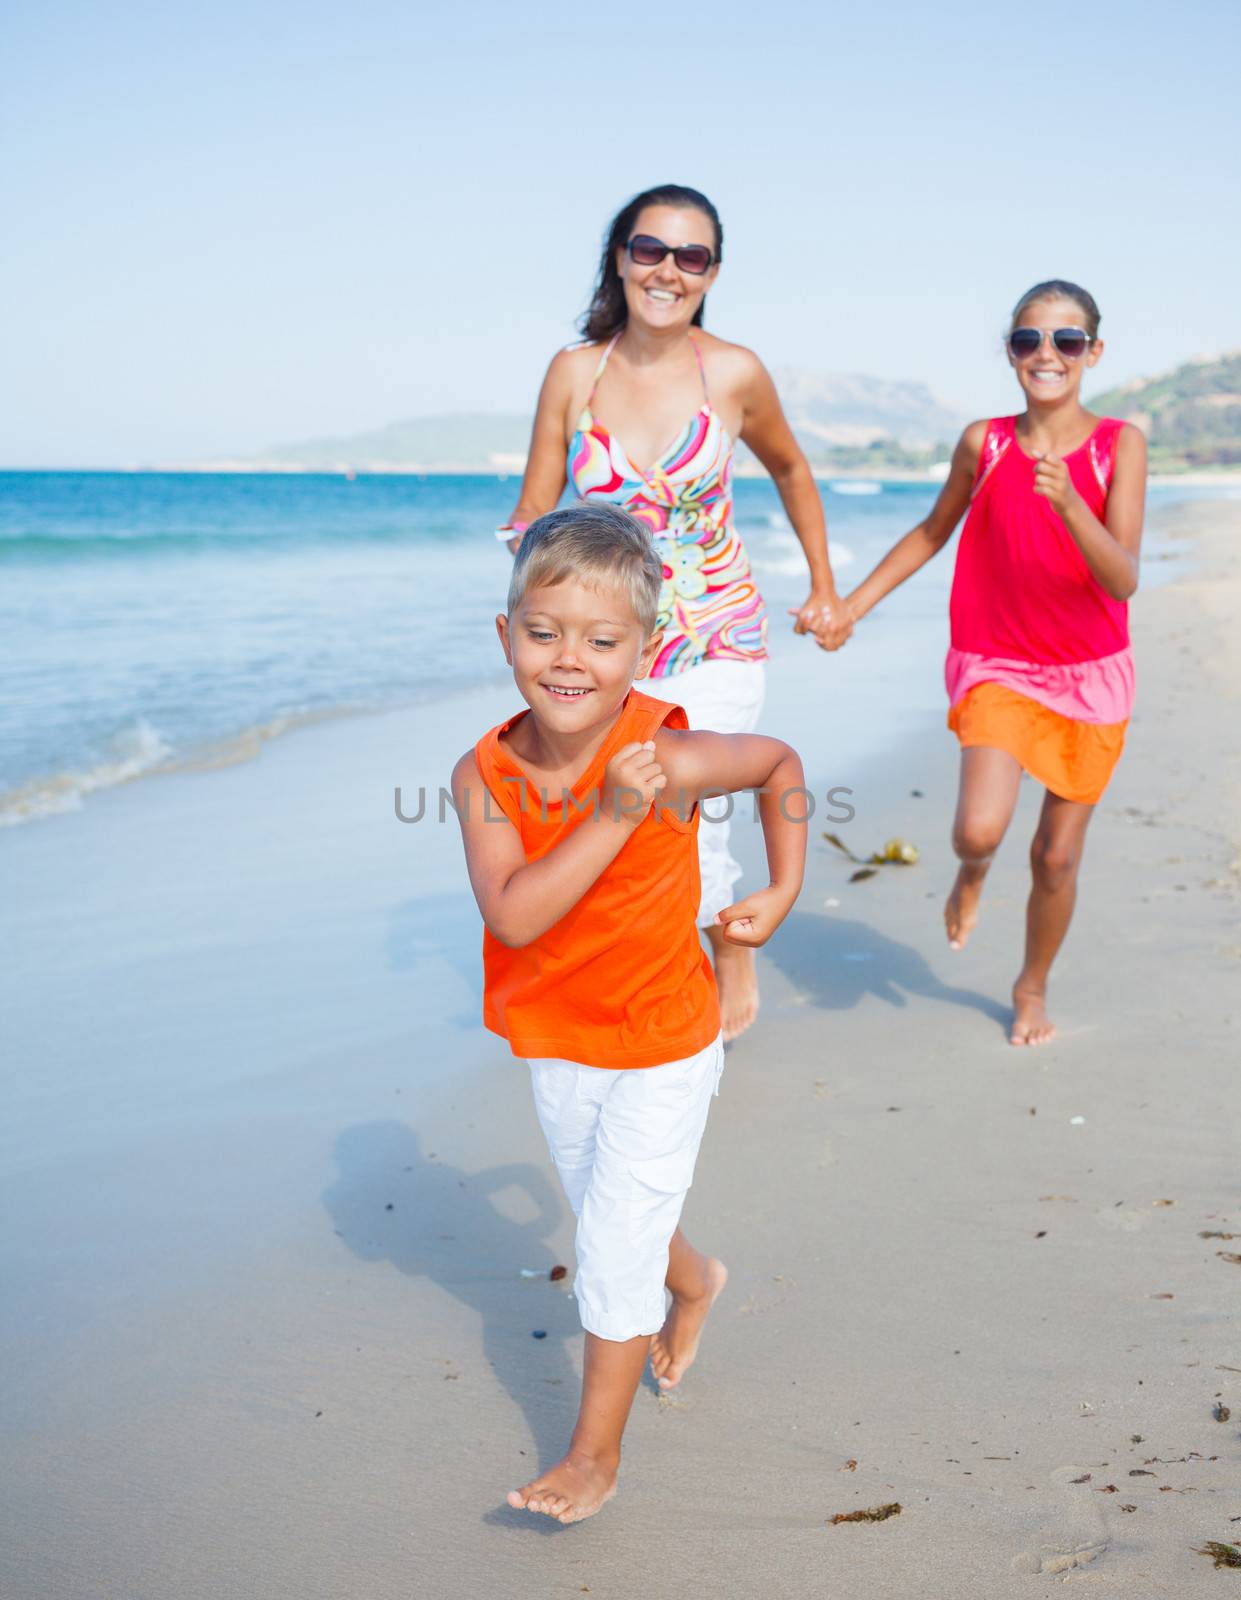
738	985
572	1490
961	910
676	1344
1031	1024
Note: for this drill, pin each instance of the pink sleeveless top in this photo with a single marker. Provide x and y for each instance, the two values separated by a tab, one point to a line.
1026	610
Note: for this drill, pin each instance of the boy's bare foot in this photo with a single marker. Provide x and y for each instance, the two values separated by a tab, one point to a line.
738	985
676	1344
961	910
1031	1024
572	1490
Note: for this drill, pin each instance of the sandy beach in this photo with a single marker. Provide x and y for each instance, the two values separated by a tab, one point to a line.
279	1220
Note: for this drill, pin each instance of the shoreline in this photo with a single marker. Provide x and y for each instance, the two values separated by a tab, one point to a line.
146	749
272	1190
1193	478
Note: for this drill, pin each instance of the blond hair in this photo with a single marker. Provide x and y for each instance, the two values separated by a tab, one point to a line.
600	545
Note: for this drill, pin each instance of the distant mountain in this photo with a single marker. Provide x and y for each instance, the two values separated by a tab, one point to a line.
842	421
1191	416
851	410
458	441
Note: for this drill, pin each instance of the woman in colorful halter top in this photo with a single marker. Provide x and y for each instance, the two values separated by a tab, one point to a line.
645	414
1039	672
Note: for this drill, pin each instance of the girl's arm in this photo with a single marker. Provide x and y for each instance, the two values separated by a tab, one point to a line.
929	537
698	764
1111	549
765	429
520	899
545	475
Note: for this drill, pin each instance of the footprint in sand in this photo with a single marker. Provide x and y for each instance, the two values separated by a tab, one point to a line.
1092	1536
1056	1561
1124	1219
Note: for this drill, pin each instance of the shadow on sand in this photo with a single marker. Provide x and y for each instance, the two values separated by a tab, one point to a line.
445	1225
836	963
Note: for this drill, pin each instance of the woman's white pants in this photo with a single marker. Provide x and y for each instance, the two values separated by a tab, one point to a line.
721	697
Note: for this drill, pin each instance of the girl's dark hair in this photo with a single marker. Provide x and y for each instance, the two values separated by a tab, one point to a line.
1061	289
607	312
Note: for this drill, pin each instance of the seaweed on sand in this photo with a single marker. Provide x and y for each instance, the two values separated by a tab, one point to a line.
876	1514
1224	1555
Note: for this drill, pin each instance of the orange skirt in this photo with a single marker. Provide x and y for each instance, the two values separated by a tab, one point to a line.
1072	759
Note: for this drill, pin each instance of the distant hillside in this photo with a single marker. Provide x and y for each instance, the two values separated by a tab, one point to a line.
848	413
1191	417
842	421
465	442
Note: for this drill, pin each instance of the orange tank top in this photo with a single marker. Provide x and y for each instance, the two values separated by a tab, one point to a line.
622	979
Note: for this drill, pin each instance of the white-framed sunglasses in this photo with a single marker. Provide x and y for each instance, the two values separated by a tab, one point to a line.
1072	343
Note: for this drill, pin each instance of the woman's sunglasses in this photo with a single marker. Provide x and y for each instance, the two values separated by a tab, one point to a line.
1071	342
648	251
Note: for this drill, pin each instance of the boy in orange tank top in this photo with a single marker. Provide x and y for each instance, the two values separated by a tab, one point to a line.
580	820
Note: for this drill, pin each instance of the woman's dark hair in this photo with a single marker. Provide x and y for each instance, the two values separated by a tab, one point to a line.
607	312
1061	289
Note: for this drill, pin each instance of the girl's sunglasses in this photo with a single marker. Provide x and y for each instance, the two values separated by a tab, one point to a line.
648	251
1071	342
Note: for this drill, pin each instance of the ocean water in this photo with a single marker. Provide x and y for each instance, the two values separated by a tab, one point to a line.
160	620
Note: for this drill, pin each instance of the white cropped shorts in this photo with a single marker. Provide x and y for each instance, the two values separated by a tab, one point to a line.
718	697
624	1143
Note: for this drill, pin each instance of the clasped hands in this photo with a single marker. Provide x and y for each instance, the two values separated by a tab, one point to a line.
825	615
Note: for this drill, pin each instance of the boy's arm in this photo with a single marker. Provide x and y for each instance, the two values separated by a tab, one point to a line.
520	899
698	764
907	555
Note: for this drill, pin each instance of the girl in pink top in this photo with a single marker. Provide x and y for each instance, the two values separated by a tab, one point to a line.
1039	673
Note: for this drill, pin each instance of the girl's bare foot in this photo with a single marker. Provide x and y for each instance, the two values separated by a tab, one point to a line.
961	910
676	1344
738	985
1031	1024
572	1490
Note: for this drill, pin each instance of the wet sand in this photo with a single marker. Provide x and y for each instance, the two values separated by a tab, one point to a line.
269	1190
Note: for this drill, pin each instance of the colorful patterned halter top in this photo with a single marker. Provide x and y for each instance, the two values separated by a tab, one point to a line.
709	608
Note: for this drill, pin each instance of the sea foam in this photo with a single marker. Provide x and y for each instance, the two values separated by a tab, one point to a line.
133	752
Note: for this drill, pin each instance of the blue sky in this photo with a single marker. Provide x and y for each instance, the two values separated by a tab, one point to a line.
234	225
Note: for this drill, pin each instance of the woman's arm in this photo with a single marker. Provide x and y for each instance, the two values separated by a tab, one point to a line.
545	475
929	537
766	431
1111	548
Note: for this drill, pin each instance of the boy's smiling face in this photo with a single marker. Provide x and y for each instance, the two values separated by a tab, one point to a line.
575	650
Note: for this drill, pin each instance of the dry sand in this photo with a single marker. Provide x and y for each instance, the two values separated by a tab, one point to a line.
270	1188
